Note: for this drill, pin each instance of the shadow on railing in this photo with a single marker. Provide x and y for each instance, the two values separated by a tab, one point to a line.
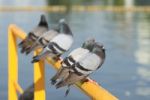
92	89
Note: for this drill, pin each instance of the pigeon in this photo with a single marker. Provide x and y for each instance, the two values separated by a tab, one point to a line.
34	34
81	69
45	38
58	45
73	57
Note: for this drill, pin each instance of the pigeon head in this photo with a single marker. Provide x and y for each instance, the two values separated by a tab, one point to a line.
43	21
99	49
89	44
64	27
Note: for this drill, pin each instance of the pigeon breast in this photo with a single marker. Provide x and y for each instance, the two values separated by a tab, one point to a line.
88	64
78	54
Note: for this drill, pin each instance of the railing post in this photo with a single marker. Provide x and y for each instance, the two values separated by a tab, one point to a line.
39	80
12	65
39	74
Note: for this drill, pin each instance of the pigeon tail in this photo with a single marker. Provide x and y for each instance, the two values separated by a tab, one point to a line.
21	43
67	91
60	84
53	81
23	50
28	50
62	74
33	47
35	59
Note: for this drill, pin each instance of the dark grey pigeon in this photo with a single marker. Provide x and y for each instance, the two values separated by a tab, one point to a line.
58	45
34	34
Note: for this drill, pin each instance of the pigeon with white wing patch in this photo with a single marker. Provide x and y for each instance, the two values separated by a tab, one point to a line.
73	58
58	45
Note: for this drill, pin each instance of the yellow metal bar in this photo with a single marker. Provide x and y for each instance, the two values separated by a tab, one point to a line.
18	88
12	65
94	91
90	88
17	31
55	65
39	80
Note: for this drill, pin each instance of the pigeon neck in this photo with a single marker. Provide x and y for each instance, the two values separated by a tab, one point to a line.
65	29
100	53
88	46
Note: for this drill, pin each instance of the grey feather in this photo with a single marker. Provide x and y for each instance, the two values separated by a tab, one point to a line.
70	80
89	44
34	34
84	65
41	56
61	74
43	40
64	27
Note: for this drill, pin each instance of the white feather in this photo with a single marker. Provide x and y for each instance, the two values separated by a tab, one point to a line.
63	40
78	53
91	61
49	35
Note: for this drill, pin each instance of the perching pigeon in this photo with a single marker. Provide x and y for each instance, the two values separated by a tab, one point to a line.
45	38
73	57
58	45
79	70
34	34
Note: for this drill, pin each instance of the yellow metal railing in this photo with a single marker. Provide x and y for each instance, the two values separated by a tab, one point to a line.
13	86
93	90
